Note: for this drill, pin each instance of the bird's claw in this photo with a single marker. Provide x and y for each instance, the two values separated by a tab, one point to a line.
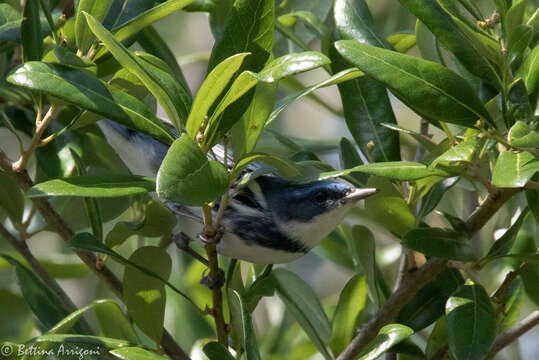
213	283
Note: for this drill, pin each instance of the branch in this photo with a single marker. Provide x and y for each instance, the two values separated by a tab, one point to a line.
53	219
505	338
49	282
406	291
211	237
41	124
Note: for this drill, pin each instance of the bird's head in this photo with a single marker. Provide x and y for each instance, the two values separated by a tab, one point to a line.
309	212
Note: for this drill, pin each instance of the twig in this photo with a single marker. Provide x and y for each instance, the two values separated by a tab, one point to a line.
511	275
404	293
217	296
506	338
50	283
53	219
41	124
533	185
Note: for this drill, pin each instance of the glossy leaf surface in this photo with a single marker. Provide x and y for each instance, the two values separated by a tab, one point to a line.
94	186
83	89
352	301
514	169
430	89
442	243
387	337
186	176
144	295
303	303
471	326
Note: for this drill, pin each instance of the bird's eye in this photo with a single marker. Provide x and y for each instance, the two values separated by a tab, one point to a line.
320	196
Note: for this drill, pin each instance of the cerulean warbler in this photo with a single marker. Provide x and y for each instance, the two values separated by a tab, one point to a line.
270	220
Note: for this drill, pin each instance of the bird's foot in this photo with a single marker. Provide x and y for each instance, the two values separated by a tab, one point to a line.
213	283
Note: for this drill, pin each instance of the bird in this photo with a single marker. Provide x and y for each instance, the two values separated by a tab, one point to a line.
271	220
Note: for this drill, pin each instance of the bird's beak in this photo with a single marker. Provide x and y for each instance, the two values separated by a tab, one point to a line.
358	194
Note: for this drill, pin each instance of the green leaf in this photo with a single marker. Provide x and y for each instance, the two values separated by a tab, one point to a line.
246	132
243	325
158	221
67	58
434	195
514	169
427	44
292	64
214	84
144	295
462	152
186	176
135	353
437	338
152	42
258	17
424	140
395	170
470	320
365	101
388	336
144	19
430	89
218	124
364	244
31	32
506	241
354	21
522	135
350	158
94	186
85	90
388	208
442	243
284	167
429	303
87	242
519	40
310	19
164	88
454	38
303	303
513	17
96	343
43	302
123	328
11	198
10	22
113	322
511	305
99	10
519	102
341	76
216	351
529	70
402	42
352	301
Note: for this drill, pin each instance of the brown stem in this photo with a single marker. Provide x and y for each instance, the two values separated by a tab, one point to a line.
217	295
499	294
506	338
404	293
53	219
49	282
41	124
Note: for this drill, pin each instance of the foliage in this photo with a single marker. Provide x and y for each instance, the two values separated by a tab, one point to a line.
472	79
